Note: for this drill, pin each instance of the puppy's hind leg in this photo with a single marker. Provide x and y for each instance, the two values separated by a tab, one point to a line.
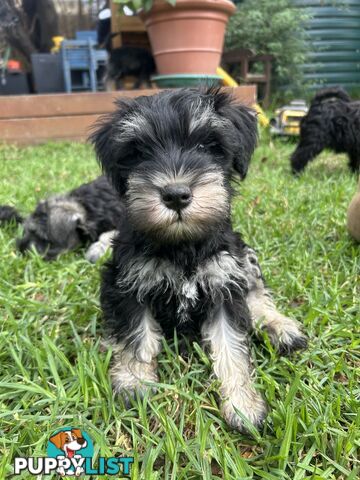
354	161
134	357
284	333
110	84
227	343
139	81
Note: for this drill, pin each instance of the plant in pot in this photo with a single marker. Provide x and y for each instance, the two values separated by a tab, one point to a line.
186	36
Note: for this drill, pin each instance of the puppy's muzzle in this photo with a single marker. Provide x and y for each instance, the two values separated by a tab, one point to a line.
176	196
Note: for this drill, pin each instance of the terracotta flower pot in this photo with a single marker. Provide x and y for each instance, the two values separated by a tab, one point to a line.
189	37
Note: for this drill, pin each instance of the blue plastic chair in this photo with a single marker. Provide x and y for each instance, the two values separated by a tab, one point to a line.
77	55
81	55
86	35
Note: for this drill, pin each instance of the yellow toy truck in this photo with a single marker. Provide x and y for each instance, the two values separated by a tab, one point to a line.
287	119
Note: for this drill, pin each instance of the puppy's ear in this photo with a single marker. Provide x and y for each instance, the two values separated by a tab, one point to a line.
243	136
58	440
110	141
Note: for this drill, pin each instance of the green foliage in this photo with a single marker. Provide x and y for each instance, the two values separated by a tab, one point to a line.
136	5
272	27
54	371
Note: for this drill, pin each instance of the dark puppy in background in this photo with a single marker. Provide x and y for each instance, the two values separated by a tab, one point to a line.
178	264
333	121
129	61
89	213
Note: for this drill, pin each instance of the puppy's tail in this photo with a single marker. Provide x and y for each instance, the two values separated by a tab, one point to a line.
336	93
9	214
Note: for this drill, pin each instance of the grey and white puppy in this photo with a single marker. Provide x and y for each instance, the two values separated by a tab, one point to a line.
89	213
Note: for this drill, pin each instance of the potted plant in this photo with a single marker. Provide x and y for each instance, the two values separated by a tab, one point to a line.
186	36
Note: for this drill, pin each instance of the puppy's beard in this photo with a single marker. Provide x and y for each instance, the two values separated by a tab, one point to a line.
208	208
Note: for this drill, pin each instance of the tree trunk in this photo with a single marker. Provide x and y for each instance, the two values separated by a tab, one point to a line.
14	27
29	27
43	22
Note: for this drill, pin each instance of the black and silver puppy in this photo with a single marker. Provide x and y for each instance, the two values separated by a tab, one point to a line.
89	213
178	264
333	121
129	61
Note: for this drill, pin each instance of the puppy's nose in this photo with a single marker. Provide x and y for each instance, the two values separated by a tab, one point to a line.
81	441
176	196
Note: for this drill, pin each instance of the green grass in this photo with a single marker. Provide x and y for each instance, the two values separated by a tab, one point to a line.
54	371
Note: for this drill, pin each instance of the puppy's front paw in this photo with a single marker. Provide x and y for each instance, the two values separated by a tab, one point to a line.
95	251
129	395
124	381
252	406
61	471
285	335
292	342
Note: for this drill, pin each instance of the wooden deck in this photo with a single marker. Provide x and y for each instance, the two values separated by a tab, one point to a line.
32	119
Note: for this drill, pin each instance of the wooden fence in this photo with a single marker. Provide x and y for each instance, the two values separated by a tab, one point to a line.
31	119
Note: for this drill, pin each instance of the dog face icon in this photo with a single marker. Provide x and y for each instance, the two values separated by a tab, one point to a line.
69	441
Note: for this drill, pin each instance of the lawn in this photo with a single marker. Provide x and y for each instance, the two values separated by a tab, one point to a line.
55	372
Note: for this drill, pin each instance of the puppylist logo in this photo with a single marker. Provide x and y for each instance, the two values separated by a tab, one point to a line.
69	453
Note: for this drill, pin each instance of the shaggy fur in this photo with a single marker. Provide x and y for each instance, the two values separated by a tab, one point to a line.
333	121
178	264
125	61
64	222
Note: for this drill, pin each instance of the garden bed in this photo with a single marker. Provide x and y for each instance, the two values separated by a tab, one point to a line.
32	119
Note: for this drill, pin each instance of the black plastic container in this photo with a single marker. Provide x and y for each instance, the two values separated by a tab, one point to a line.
47	73
14	83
